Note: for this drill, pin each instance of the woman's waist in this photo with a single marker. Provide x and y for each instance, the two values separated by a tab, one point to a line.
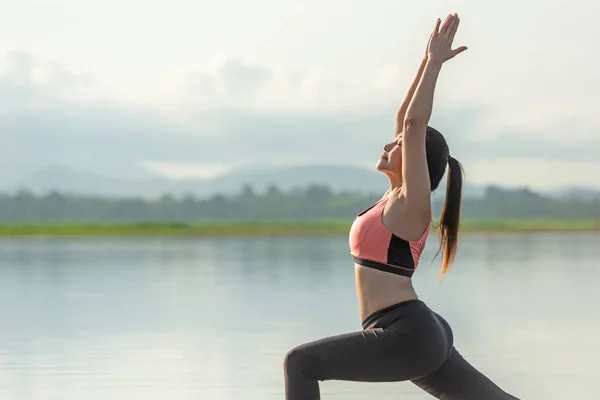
378	290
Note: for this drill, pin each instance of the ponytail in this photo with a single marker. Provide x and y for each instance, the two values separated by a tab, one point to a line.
450	217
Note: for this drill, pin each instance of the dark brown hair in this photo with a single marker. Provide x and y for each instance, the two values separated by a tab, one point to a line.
438	157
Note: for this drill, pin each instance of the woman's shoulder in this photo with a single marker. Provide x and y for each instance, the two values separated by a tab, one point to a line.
402	220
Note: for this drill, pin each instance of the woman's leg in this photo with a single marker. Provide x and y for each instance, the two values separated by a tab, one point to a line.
456	379
372	355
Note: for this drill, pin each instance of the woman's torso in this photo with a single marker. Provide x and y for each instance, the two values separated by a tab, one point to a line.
376	290
384	263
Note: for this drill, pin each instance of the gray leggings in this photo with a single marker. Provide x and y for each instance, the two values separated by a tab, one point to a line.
403	342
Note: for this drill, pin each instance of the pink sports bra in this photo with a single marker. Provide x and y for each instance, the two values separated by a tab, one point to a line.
373	245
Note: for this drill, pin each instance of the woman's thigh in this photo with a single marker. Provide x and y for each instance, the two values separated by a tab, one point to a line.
372	355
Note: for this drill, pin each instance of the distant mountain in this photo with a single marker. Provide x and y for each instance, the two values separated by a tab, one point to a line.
66	180
260	178
338	178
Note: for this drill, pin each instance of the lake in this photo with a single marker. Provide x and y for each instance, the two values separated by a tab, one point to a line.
212	318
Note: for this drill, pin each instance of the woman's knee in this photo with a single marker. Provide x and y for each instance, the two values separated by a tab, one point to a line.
298	360
292	358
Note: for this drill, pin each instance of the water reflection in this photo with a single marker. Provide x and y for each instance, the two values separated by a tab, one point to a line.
185	318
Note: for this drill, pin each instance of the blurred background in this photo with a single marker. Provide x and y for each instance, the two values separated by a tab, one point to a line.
177	181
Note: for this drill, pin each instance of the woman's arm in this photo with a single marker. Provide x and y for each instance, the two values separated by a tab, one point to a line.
408	97
415	174
401	114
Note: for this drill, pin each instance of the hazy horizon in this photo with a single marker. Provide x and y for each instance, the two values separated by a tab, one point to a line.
193	89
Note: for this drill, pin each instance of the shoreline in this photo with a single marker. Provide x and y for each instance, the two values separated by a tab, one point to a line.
281	228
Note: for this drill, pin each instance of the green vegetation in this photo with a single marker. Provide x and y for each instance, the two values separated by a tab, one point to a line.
308	211
530	225
257	228
201	229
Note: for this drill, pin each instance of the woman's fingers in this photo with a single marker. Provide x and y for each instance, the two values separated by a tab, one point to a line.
453	28
447	23
457	51
436	28
443	36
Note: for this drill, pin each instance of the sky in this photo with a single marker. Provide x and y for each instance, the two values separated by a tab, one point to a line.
194	88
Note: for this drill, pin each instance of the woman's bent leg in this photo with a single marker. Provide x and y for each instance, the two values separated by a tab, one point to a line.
373	355
456	379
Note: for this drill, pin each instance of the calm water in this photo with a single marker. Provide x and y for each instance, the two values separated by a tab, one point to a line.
212	318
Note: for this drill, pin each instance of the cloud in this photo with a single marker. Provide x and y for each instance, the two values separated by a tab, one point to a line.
231	78
226	83
26	82
234	112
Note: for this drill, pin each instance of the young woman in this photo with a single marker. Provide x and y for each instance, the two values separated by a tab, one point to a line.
402	339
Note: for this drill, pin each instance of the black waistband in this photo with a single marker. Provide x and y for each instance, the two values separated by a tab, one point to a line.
384	267
377	315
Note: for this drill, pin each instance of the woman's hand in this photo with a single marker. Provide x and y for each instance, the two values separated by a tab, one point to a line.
439	48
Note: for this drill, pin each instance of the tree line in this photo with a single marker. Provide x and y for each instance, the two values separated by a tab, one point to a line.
312	202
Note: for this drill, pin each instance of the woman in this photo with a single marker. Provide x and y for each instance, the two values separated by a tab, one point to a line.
402	339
